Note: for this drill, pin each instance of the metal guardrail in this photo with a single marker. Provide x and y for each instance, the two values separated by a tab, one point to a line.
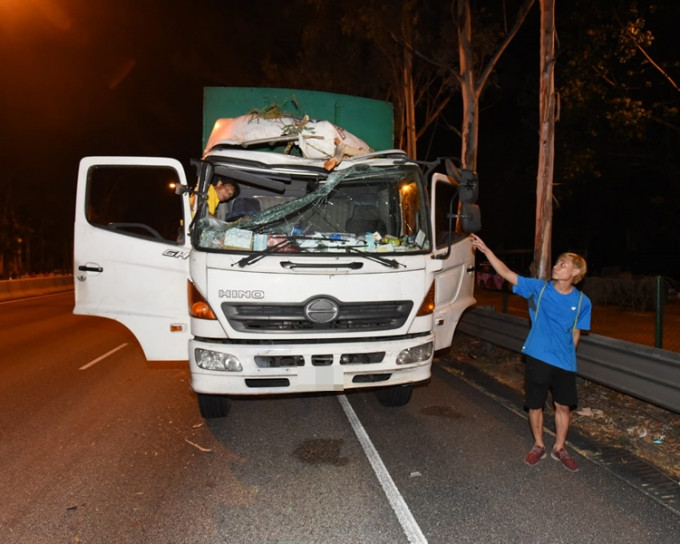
647	373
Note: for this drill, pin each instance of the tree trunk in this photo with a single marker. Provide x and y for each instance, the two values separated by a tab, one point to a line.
546	152
467	84
409	92
469	94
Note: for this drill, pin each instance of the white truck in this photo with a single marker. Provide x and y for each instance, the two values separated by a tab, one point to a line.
335	267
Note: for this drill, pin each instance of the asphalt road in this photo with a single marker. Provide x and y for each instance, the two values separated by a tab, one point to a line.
100	446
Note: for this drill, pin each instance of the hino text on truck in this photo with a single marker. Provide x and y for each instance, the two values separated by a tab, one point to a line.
340	263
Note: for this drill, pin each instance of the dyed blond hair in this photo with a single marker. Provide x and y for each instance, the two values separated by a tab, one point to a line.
578	262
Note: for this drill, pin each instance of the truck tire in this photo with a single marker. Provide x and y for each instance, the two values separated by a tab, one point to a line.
397	395
212	406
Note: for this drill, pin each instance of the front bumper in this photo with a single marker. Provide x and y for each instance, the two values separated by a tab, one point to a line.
317	367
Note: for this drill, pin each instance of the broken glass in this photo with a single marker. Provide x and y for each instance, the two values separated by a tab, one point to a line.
367	209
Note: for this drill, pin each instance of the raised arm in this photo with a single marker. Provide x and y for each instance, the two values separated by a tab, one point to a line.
499	266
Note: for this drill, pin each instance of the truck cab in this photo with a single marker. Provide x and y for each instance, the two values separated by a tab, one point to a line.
324	273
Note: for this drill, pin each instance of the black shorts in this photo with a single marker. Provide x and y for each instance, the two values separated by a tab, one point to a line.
541	377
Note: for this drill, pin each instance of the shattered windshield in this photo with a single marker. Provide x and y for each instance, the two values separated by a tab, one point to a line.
371	209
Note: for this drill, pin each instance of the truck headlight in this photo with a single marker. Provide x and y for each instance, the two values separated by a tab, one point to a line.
416	354
214	360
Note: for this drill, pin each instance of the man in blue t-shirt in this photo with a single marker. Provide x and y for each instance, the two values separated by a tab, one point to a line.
559	312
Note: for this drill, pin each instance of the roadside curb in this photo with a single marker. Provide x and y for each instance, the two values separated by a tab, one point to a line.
27	287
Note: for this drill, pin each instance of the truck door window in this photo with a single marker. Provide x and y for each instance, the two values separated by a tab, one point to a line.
446	192
137	201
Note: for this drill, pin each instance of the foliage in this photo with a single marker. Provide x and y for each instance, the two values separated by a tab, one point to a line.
358	47
607	84
371	47
11	237
327	59
617	164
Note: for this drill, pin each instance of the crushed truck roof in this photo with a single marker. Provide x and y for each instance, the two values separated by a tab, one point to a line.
316	139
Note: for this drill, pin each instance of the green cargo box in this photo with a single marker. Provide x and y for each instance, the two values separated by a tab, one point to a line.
368	119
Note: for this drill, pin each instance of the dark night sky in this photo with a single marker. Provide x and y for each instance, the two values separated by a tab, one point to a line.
112	77
115	77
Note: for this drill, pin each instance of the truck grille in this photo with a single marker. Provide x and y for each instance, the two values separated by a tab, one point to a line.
355	316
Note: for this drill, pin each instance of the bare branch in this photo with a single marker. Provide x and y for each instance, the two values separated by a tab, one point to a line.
604	76
449	126
665	123
424	57
431	116
659	69
519	20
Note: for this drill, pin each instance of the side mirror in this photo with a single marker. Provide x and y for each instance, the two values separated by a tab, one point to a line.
471	217
452	171
468	188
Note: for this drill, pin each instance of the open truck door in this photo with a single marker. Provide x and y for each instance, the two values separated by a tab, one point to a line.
131	249
454	283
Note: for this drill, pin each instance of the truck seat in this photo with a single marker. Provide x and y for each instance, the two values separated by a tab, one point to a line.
243	206
365	219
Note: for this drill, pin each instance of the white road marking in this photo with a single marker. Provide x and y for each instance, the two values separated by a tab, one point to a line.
95	361
408	522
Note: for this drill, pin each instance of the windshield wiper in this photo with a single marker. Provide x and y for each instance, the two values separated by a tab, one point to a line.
254	257
392	263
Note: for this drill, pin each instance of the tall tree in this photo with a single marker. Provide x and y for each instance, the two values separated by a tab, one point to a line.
373	48
408	89
473	81
546	152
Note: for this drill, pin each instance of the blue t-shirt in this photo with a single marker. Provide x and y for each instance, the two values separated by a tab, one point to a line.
551	337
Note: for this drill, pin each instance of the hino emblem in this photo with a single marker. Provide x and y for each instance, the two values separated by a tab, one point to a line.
239	293
322	310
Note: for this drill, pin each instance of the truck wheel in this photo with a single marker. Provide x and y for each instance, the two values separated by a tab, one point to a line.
397	395
213	405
